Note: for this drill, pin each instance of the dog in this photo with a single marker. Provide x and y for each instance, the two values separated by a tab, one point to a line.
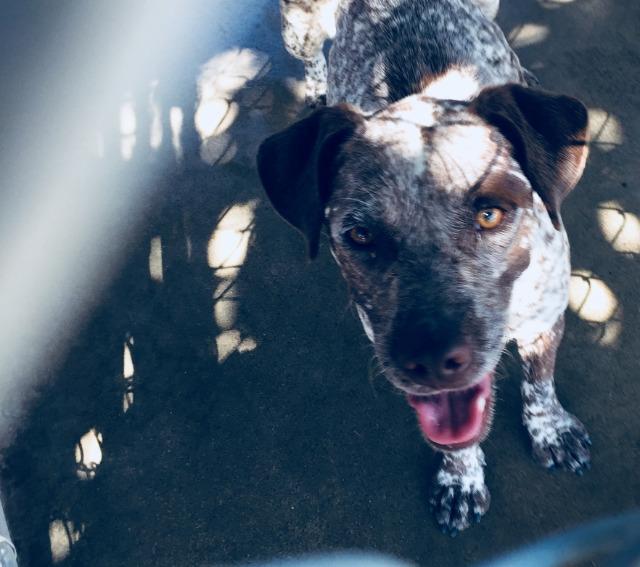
439	175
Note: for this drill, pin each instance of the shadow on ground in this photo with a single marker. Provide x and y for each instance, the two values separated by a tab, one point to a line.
221	405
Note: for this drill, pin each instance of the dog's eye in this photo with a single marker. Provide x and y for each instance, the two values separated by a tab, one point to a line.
360	235
489	217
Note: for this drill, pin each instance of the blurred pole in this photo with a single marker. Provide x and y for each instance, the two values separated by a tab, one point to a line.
68	213
611	542
8	556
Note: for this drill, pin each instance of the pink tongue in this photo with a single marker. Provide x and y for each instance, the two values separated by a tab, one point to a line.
452	418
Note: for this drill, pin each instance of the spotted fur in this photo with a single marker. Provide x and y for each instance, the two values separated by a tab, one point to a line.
460	496
428	118
558	438
307	24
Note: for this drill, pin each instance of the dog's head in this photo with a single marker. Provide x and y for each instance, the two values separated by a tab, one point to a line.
429	206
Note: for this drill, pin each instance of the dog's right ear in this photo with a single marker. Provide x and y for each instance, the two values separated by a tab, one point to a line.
296	167
549	134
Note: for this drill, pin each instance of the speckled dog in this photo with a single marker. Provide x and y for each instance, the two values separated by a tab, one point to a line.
439	175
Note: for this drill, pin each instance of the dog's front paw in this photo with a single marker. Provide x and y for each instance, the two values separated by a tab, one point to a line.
456	507
460	497
562	442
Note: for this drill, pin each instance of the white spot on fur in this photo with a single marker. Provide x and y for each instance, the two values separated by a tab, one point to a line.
399	138
540	295
416	110
327	17
543	416
455	84
463	468
462	156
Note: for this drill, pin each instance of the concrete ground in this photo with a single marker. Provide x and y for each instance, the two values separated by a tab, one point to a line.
220	403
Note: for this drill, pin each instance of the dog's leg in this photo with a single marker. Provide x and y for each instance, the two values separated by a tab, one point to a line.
306	24
460	496
558	438
315	80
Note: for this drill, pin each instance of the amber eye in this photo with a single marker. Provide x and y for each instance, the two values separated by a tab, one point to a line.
489	218
361	236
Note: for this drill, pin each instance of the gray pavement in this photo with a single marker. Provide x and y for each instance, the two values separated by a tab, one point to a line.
220	403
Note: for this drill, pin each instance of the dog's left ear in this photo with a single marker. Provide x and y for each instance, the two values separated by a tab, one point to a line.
296	167
549	135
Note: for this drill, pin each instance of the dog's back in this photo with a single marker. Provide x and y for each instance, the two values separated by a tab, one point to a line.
385	50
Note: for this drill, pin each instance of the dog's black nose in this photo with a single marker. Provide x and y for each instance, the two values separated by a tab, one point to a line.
456	360
429	365
431	350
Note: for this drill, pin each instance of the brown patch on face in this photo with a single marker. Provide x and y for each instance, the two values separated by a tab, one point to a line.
501	187
508	191
517	258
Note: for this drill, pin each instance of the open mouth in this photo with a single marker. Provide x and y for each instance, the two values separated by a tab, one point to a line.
457	418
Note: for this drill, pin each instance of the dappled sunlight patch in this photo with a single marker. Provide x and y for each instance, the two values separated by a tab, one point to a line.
228	248
225	299
528	34
127	129
226	310
228	72
220	80
620	228
128	369
226	343
155	128
155	259
219	149
88	454
231	341
176	121
127	400
610	333
226	253
63	535
247	345
228	245
297	88
605	130
590	298
128	372
593	301
215	117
